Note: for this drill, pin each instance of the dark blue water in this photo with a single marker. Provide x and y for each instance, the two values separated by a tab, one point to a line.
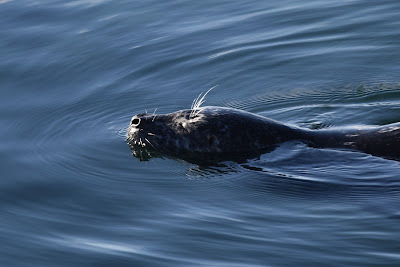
72	74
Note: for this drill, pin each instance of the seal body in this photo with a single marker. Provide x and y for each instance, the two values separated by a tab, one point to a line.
218	130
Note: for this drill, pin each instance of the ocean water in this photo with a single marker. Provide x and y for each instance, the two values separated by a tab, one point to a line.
72	74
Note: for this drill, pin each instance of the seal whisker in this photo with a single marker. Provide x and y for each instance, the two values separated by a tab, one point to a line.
194	104
202	100
194	100
197	113
198	102
149	142
151	134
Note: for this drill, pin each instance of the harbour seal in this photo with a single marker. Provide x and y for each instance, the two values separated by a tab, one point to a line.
225	133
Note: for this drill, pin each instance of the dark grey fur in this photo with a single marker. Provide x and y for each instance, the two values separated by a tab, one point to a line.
217	130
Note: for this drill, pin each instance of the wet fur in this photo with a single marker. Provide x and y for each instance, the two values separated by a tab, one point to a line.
206	131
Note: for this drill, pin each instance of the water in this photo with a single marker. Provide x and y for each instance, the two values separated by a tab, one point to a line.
72	73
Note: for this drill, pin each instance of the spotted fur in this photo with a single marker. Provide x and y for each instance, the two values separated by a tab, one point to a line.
214	130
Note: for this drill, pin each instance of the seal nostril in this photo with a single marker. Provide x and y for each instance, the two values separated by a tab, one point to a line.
135	121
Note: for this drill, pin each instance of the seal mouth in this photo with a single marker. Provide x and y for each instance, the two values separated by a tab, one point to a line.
139	141
142	153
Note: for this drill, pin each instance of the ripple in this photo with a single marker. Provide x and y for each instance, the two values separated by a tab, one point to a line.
73	74
96	245
334	104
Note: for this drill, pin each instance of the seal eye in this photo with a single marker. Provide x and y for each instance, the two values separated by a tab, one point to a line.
135	121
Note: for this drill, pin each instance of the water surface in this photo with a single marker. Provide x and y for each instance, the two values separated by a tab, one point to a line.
72	74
